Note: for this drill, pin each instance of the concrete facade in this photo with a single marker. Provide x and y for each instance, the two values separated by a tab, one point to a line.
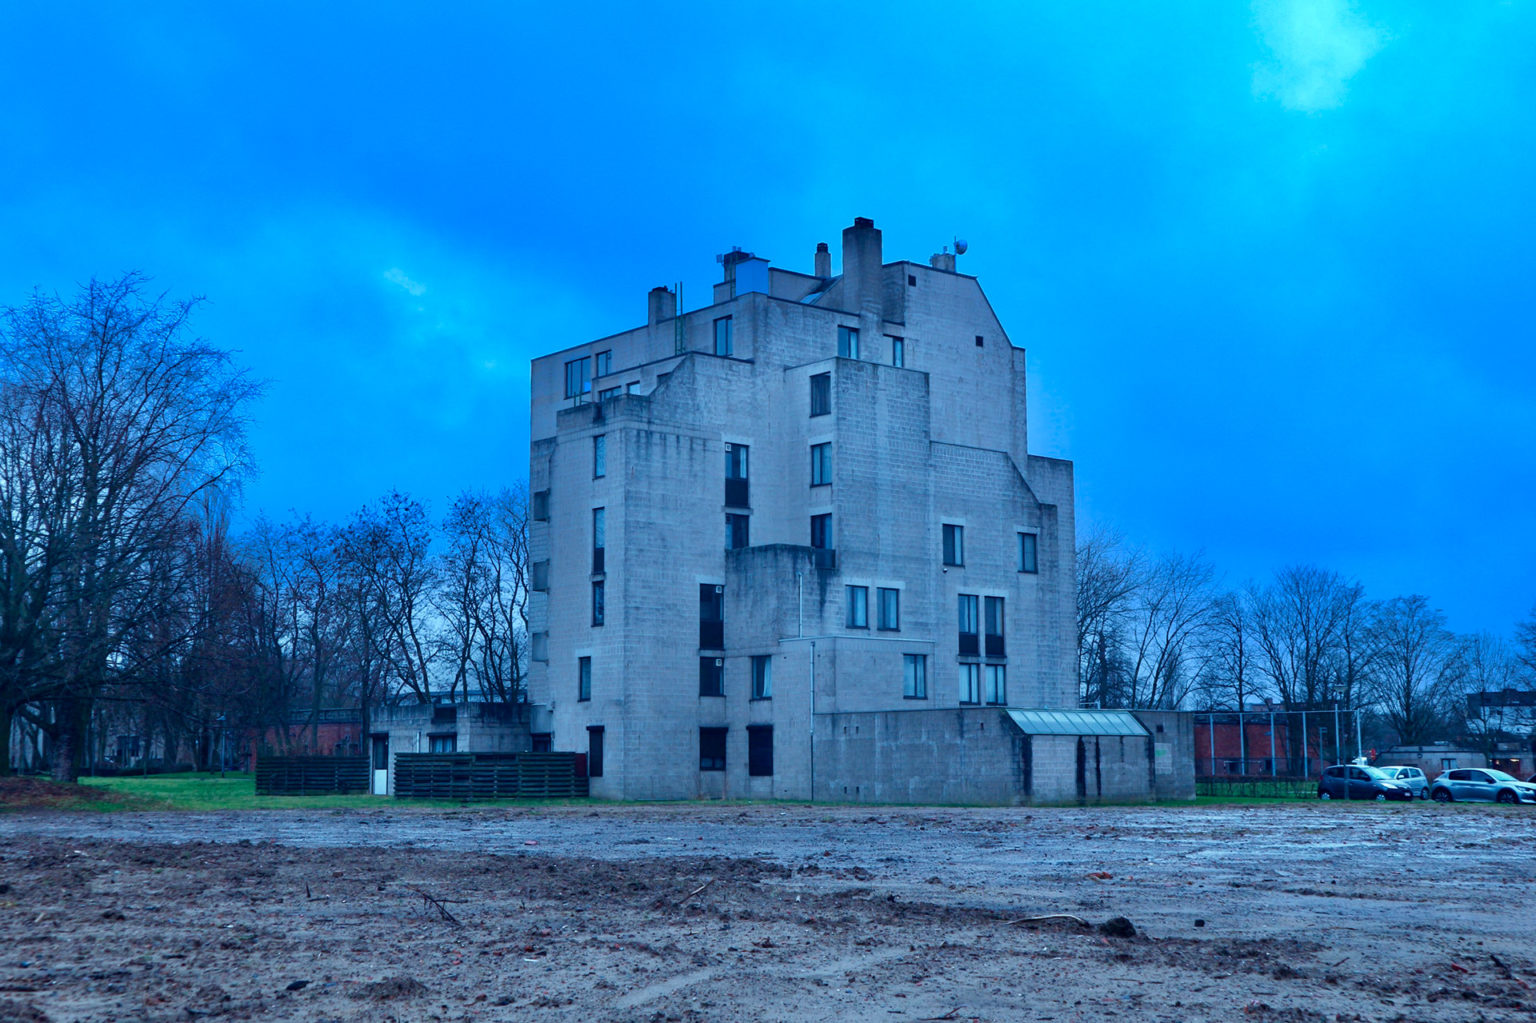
925	428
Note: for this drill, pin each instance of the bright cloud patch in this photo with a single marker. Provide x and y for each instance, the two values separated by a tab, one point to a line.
1317	47
397	276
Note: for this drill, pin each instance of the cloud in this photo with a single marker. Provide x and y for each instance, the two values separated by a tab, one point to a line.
397	276
1317	46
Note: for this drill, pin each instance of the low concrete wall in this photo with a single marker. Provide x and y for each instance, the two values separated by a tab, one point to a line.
969	755
1173	752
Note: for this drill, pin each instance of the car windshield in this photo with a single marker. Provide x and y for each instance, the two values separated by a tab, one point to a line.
1501	776
1376	772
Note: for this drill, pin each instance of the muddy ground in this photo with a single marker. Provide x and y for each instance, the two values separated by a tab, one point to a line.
1296	912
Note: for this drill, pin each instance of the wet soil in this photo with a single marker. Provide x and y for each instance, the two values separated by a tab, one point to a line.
1297	912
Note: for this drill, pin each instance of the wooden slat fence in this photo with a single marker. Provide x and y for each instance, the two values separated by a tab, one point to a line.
310	776
490	776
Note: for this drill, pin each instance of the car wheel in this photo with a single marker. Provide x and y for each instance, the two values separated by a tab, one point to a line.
1381	797
1441	795
1324	795
1506	796
1423	793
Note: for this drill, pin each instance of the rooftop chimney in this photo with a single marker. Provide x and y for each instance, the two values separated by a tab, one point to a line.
861	267
943	261
823	261
662	305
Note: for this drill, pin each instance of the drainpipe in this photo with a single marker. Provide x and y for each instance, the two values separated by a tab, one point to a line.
813	721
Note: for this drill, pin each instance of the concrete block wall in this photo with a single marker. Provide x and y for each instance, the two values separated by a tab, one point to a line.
972	755
1173	752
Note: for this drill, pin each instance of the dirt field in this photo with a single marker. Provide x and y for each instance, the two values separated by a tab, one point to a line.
1298	912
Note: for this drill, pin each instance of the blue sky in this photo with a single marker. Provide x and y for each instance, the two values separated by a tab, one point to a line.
1272	263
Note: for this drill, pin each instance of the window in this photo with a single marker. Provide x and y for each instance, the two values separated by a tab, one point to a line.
994	623
541	506
857	600
578	379
967	608
602	363
600	455
597	602
898	350
711	617
584	678
978	341
711	676
737	531
821	531
890	609
736	491
594	751
723	336
848	342
914	676
954	544
540	581
632	387
1028	553
599	537
539	644
821	464
607	392
821	394
911	280
712	749
970	683
760	751
762	677
996	684
442	743
1447	763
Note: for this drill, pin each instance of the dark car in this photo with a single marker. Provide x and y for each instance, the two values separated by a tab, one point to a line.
1481	783
1359	782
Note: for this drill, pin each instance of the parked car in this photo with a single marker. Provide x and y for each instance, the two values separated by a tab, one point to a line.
1410	776
1347	781
1484	783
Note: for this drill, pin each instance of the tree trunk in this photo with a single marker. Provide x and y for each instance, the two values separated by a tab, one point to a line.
7	715
69	739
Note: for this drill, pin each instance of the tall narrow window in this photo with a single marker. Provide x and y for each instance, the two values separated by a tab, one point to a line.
762	677
600	455
712	749
594	751
994	623
954	544
737	531
599	538
821	531
857	600
821	464
848	342
821	394
578	377
898	350
1028	552
737	494
970	683
890	609
760	751
711	676
584	678
602	363
597	602
711	617
540	509
914	676
996	684
723	343
967	604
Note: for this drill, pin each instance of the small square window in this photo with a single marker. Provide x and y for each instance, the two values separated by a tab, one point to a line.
857	600
584	678
890	609
978	341
821	394
442	743
603	364
712	749
848	342
954	544
821	464
600	455
1028	552
723	336
911	280
762	677
914	676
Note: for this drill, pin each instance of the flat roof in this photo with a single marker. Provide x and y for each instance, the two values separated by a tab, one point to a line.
1077	722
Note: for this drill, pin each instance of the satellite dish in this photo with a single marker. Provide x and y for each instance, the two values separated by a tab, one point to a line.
960	246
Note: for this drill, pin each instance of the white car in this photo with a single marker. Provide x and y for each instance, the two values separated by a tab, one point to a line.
1410	776
1482	783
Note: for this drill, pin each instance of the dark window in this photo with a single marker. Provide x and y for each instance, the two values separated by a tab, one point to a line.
723	336
445	714
602	364
599	538
737	531
911	280
711	617
578	378
541	506
600	455
970	683
890	609
1028	552
821	394
607	392
857	600
584	678
760	751
711	676
821	464
543	742
821	531
978	341
848	342
736	490
442	743
762	677
994	623
954	544
712	749
594	751
968	633
597	602
539	644
997	687
898	350
380	752
914	676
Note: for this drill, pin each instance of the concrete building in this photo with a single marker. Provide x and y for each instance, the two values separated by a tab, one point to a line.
795	545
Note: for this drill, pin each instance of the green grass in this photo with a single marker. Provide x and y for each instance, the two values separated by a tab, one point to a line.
238	792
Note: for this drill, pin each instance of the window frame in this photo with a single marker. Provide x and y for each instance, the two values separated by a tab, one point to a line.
888	598
759	750
762	676
953	541
898	350
711	677
856	607
582	382
732	520
1029	552
599	456
715	735
599	610
994	685
602	363
821	394
824	521
914	676
583	679
847	341
599	539
821	464
730	336
970	684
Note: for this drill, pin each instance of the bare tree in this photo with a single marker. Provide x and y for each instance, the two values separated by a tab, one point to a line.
1297	623
1525	640
484	594
1230	676
388	554
1418	667
1488	667
1169	617
1108	572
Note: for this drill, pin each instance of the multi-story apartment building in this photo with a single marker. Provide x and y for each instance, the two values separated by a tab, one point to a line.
794	545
